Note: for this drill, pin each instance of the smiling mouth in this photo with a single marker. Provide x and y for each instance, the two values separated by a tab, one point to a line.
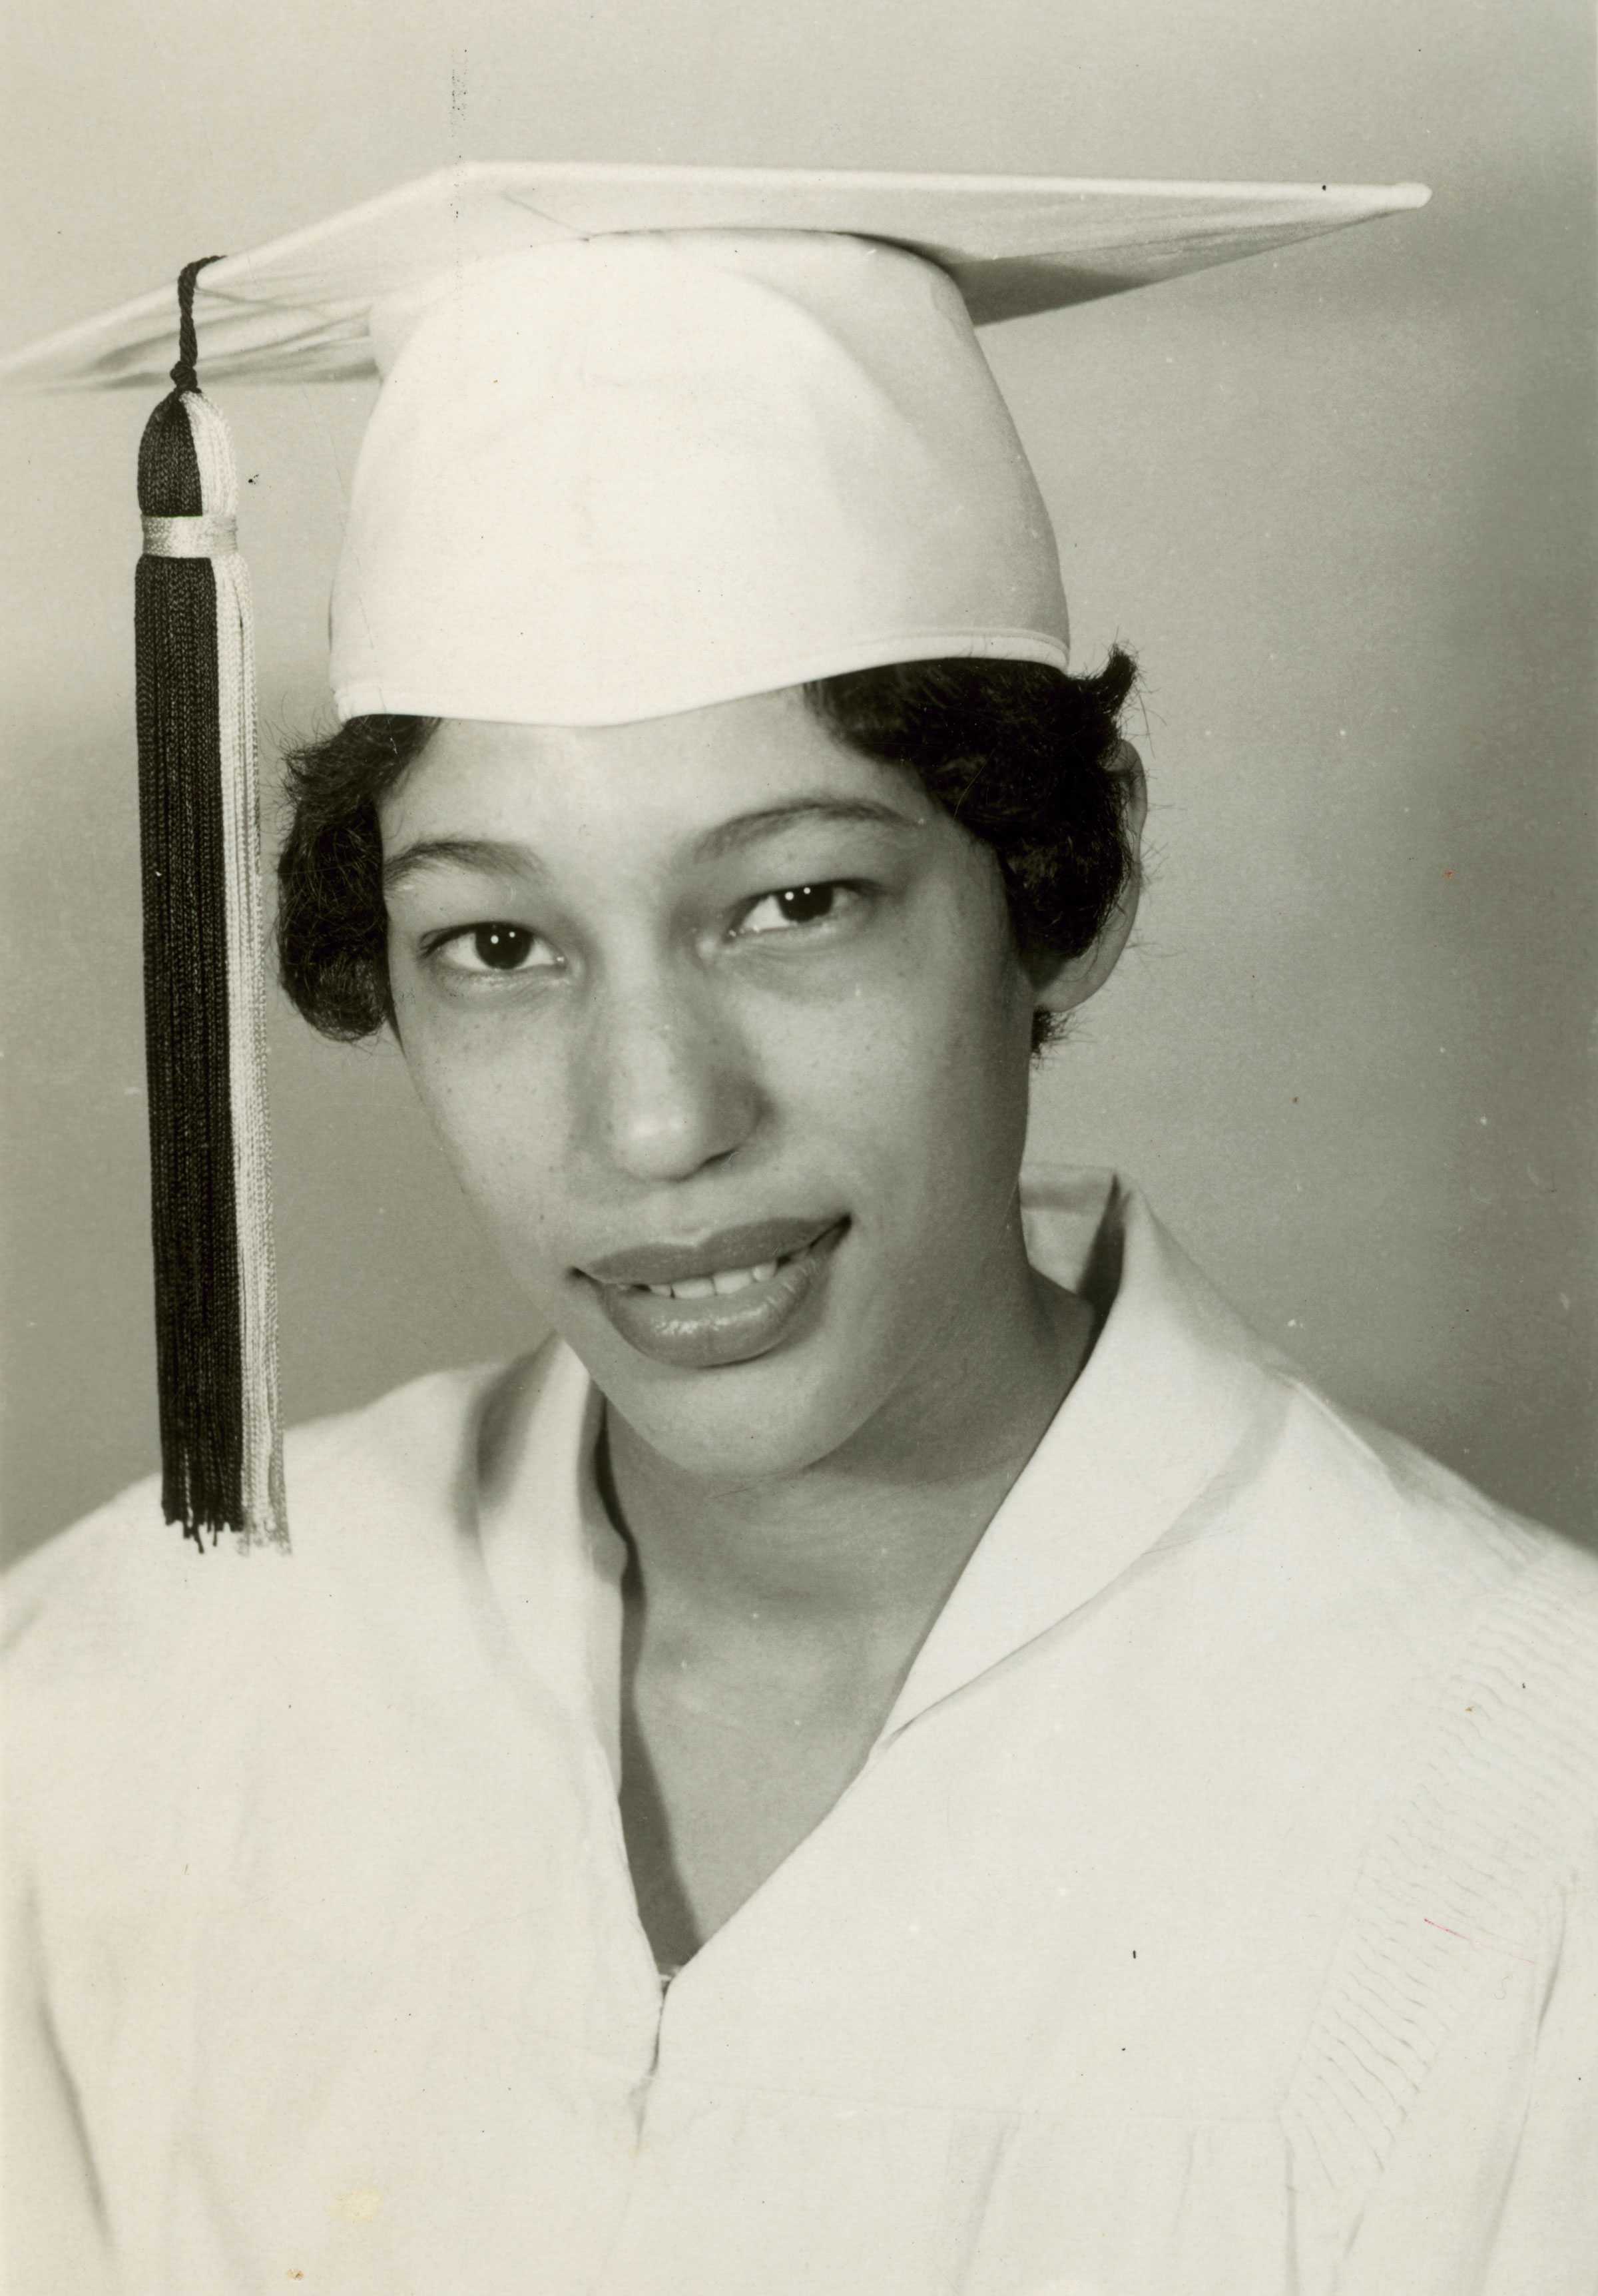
726	1300
747	1249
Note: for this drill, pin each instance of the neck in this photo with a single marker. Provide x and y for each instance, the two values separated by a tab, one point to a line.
858	1552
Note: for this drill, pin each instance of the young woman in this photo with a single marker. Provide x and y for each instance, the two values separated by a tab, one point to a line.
903	1751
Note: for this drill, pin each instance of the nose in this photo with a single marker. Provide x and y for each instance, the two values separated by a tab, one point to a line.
666	1086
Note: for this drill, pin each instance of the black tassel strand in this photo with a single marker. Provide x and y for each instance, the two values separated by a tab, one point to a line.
209	1217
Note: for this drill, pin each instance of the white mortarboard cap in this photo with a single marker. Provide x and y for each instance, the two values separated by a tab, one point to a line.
648	439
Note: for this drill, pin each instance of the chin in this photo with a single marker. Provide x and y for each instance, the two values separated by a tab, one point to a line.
756	1422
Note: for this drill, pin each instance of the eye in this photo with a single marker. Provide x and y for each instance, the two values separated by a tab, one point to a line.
798	905
494	948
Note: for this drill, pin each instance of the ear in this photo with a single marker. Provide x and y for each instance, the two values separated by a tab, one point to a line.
1059	984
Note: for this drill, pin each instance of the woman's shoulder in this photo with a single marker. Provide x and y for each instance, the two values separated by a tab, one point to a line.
1468	1637
374	1490
1373	1520
1348	1537
1387	1598
1434	1640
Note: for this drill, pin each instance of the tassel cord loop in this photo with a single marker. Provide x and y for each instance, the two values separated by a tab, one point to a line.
184	374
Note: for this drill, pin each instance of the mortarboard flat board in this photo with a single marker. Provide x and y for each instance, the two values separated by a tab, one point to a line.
295	310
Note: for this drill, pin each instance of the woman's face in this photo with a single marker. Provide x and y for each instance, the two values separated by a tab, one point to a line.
723	1028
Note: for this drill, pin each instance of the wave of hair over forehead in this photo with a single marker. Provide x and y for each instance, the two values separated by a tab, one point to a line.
1019	754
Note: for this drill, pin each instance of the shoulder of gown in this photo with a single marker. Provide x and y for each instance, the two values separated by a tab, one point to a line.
127	1647
1443	2114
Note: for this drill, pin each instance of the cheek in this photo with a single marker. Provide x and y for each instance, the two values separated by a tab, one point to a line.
499	1121
927	1071
964	1011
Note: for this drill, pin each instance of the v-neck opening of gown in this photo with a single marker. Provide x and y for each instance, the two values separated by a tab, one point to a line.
688	1967
1029	1570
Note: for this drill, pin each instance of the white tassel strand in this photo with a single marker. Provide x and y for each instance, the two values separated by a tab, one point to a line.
264	1511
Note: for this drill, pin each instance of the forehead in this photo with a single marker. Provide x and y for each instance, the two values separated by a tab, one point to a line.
658	784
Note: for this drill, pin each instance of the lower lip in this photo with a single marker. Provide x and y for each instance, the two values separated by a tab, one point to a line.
728	1327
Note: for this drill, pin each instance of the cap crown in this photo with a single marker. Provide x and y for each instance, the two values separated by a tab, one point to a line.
622	477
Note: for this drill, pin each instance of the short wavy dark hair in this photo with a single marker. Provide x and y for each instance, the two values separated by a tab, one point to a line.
1019	754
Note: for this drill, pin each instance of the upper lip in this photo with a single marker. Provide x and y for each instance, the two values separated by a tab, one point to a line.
729	1246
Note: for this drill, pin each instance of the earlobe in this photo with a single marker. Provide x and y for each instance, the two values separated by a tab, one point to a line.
1061	984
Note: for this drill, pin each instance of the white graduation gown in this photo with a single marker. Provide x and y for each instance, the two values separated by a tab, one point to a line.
1215	1915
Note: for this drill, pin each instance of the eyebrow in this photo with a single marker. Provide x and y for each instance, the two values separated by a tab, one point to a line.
488	856
496	856
732	836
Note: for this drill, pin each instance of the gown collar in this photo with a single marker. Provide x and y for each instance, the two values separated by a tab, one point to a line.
1172	1387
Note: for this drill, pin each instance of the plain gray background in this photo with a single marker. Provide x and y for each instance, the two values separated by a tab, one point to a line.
1340	501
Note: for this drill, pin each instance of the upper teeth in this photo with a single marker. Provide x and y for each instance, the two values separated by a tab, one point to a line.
725	1279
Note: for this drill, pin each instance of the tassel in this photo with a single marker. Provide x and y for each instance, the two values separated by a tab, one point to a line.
204	977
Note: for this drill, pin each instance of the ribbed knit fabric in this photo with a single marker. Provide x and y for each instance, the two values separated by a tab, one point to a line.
1467	1858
